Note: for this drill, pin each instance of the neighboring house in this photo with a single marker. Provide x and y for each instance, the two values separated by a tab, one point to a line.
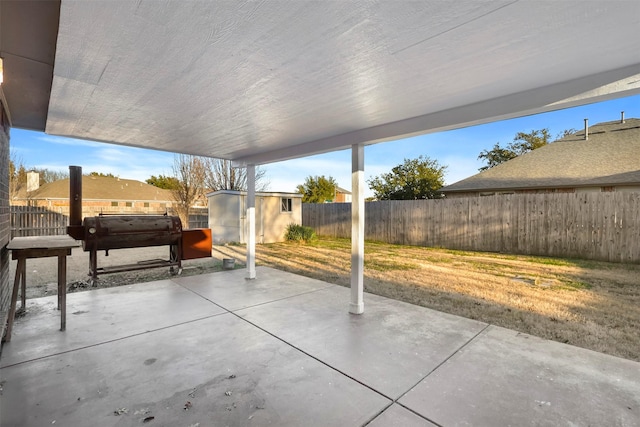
100	194
342	195
274	211
607	160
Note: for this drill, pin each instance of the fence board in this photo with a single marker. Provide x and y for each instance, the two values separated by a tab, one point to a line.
599	226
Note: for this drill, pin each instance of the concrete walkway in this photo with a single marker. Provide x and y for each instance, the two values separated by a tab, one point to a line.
282	350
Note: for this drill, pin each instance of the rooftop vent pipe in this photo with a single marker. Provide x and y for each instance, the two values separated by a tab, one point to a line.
621	116
586	129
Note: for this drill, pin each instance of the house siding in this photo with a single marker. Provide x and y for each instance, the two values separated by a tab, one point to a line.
5	282
342	198
627	189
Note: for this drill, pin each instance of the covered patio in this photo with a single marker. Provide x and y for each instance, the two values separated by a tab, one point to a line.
218	349
262	82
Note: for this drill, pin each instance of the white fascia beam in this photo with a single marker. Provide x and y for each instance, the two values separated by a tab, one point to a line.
356	305
584	90
621	88
251	222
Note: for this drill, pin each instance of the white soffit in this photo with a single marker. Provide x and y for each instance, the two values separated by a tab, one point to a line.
258	82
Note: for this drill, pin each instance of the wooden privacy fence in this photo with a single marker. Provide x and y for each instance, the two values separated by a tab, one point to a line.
37	221
599	226
40	221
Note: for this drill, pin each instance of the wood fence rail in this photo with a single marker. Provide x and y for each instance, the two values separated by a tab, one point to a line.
598	226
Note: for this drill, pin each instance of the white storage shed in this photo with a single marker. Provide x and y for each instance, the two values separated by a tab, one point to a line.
274	211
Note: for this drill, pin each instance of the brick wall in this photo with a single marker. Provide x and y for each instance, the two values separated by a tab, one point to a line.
5	282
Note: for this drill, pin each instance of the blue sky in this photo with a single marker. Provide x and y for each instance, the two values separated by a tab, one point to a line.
458	149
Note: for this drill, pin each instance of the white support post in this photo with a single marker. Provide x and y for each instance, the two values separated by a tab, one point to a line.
356	306
251	222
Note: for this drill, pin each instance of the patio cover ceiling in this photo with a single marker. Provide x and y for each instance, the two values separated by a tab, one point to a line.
258	82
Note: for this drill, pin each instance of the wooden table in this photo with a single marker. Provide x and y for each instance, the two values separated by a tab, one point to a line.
23	248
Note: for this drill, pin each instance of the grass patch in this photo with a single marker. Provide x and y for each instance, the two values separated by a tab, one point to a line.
457	252
571	285
383	265
326	243
551	261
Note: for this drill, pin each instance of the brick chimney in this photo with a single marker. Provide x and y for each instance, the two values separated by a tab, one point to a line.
33	181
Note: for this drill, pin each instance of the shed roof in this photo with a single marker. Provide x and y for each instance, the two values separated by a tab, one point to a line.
610	156
258	193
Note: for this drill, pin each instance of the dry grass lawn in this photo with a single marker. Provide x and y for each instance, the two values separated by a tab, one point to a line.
595	305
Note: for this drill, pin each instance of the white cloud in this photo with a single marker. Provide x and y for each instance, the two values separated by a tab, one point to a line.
129	163
52	167
61	140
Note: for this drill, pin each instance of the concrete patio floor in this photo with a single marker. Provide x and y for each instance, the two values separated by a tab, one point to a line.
282	350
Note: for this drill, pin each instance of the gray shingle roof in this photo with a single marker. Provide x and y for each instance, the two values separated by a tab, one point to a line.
611	156
103	188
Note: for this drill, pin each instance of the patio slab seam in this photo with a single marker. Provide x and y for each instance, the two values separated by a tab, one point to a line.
453	354
346	375
233	310
111	341
396	401
316	359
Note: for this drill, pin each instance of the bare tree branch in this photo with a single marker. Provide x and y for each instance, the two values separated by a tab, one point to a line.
189	171
220	175
17	175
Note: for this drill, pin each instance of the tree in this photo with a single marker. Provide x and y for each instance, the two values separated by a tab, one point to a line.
161	181
414	179
317	189
48	175
565	133
188	172
220	175
107	175
522	143
496	156
17	176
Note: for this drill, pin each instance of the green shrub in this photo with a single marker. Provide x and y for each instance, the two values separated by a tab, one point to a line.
299	233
